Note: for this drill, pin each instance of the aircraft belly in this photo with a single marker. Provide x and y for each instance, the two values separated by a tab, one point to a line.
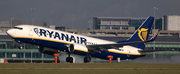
45	43
60	46
104	55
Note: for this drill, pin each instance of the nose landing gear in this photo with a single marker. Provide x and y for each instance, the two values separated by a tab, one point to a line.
20	46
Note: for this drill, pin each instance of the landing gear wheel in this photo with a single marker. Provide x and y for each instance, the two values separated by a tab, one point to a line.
69	59
87	59
20	47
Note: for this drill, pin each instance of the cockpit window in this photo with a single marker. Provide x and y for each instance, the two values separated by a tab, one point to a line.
18	28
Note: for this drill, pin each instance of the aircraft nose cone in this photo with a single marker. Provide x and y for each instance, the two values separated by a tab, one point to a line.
10	32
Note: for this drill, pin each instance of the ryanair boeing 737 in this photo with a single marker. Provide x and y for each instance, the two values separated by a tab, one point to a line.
51	41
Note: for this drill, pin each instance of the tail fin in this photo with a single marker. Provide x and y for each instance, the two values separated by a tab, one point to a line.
142	33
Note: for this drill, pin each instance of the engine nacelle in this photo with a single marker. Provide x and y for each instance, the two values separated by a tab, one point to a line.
70	48
47	50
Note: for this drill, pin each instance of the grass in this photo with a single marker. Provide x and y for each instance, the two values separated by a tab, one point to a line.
88	68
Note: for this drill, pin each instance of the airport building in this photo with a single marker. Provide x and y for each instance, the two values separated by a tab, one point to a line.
121	29
9	49
168	22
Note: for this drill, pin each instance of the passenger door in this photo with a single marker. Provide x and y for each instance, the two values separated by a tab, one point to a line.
30	31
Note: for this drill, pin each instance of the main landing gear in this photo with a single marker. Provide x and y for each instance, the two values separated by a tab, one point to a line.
69	58
87	58
70	49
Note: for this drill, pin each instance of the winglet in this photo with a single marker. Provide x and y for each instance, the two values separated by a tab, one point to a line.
154	36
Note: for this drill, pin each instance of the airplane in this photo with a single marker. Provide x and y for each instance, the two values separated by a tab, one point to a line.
52	41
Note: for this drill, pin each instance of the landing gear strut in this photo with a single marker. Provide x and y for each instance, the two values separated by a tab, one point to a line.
20	46
70	49
87	58
69	58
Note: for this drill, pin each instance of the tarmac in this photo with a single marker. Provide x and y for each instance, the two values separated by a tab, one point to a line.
94	68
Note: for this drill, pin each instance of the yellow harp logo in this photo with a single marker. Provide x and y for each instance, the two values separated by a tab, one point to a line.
142	33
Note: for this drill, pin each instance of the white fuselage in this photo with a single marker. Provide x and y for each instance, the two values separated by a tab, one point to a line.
80	42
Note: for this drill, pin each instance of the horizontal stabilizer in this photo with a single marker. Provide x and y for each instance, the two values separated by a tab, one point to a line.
108	46
154	36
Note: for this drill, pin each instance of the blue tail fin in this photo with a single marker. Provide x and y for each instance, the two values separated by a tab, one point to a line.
142	33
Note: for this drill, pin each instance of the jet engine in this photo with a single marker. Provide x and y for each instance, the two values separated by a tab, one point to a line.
47	50
70	48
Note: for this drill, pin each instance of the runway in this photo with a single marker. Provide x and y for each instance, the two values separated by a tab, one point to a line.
93	68
88	68
113	68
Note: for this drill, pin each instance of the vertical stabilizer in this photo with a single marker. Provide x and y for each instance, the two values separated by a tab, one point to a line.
142	33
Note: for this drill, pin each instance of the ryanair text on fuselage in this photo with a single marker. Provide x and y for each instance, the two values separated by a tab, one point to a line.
60	36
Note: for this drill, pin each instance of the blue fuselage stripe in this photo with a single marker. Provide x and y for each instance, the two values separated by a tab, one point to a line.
61	46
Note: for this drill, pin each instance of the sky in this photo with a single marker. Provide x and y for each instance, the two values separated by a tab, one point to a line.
76	13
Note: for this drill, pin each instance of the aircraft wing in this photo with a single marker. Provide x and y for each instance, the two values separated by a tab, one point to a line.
105	47
154	50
